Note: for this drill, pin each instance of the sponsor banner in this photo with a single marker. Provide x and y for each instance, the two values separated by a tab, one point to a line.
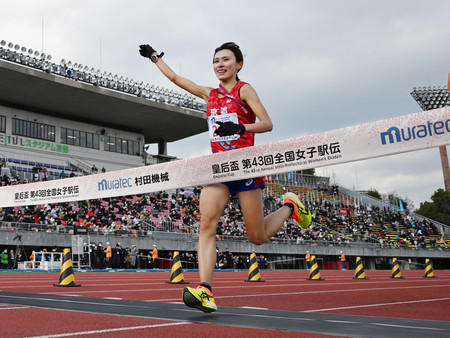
346	211
381	138
24	142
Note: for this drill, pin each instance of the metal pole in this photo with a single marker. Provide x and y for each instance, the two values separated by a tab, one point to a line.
445	167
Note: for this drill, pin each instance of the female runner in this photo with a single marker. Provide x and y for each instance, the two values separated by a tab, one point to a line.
232	110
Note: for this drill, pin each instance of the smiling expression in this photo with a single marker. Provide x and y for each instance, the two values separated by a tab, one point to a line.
225	65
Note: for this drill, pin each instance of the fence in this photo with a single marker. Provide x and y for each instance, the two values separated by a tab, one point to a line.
42	260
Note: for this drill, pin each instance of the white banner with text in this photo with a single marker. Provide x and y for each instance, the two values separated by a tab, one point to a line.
397	135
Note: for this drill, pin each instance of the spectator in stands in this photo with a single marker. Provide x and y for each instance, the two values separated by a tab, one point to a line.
93	253
342	258
94	169
12	259
6	179
4	259
62	174
108	255
154	253
127	258
134	254
149	260
101	255
262	262
117	256
228	257
20	257
44	174
308	260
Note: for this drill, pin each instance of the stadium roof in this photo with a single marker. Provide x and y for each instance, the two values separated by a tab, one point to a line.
45	93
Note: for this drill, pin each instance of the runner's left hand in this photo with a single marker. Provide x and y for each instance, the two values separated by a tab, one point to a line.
229	128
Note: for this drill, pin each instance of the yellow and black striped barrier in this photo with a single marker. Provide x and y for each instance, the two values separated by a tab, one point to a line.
359	272
314	273
253	270
429	269
396	273
176	275
66	276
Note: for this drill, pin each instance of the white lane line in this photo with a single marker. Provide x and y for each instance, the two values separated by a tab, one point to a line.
250	287
14	308
410	327
254	308
70	301
304	292
373	280
340	321
111	330
380	304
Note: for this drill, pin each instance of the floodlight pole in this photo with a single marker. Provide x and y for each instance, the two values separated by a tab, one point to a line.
445	167
444	157
422	97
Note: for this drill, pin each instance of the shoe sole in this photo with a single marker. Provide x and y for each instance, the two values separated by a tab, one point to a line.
192	301
299	202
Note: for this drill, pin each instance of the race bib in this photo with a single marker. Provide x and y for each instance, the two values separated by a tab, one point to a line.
212	127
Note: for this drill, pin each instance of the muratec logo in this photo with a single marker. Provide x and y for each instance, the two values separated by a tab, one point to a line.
114	184
394	134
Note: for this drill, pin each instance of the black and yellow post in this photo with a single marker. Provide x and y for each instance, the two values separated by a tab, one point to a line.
176	276
66	277
253	270
359	272
396	273
314	273
429	269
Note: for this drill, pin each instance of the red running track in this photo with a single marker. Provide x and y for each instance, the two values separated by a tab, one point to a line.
412	297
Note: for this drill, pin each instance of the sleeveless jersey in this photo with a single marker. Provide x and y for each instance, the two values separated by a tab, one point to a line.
229	108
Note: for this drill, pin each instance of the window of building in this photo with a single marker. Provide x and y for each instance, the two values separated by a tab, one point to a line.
119	145
83	139
33	129
2	124
96	141
79	138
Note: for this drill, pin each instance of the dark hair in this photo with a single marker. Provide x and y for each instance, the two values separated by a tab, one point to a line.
236	51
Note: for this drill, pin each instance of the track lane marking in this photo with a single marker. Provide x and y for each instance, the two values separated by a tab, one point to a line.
304	292
410	327
380	304
222	312
80	333
340	321
253	308
14	308
373	281
247	286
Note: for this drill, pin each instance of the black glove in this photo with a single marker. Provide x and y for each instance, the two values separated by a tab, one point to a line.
146	50
229	128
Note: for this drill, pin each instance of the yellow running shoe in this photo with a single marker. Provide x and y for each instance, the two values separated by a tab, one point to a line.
200	298
301	213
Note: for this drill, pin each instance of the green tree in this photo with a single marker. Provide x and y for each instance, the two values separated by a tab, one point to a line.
439	208
374	193
394	198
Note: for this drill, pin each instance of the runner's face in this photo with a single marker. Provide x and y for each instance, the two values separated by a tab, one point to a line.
225	65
